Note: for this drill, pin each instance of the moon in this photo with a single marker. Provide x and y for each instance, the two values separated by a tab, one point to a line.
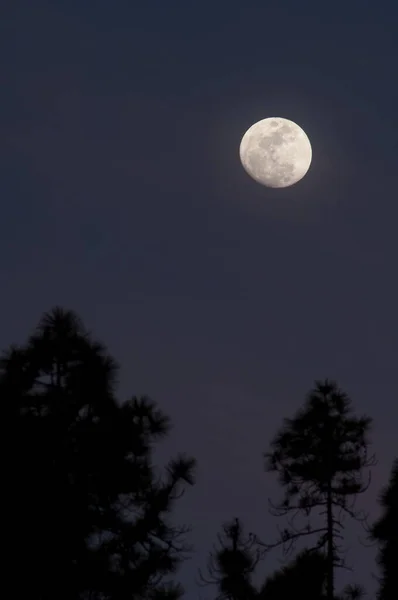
275	152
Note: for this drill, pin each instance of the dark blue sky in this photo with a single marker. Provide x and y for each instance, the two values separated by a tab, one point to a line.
123	198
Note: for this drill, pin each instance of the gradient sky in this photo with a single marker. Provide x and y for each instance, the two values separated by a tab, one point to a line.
123	198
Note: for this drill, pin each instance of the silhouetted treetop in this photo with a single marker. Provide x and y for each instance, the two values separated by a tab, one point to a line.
319	456
232	563
88	502
323	440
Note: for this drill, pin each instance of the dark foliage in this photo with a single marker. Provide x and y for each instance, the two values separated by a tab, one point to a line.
232	563
91	513
385	532
305	577
319	456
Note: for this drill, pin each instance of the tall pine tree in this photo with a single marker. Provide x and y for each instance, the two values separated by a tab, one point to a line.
91	513
319	456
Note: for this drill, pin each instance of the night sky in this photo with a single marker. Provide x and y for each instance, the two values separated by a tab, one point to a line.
123	198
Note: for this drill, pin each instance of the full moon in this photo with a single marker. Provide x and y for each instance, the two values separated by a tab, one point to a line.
275	152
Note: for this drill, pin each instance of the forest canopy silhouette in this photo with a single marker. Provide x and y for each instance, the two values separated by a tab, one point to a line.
95	518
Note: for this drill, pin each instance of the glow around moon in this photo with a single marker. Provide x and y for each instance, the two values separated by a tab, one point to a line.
275	152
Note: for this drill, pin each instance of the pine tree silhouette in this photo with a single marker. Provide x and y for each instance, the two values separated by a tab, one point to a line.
92	511
232	563
385	532
319	456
